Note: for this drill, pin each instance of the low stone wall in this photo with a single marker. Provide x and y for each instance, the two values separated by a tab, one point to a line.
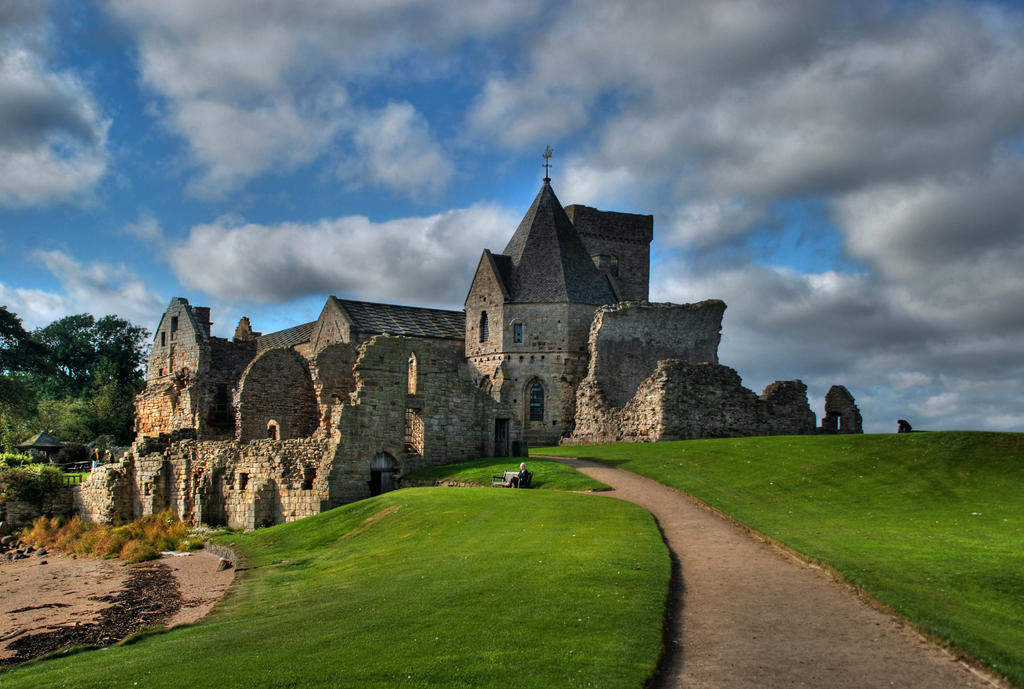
681	401
17	514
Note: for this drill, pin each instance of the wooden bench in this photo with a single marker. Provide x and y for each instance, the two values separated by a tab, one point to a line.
506	479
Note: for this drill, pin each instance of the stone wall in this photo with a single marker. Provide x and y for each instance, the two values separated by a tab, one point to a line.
627	341
165	405
367	408
682	400
552	352
16	514
620	244
275	398
654	375
456	415
841	412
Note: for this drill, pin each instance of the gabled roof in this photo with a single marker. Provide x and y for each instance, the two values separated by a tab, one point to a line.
414	321
549	262
374	319
41	440
288	337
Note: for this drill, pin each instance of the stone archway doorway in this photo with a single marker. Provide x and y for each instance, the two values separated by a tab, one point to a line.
382	474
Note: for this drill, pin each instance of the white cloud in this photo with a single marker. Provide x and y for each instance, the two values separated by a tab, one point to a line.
96	288
257	85
905	380
53	137
36	308
427	261
394	148
147	228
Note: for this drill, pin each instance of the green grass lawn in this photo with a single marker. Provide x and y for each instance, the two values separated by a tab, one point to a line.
931	524
546	473
425	587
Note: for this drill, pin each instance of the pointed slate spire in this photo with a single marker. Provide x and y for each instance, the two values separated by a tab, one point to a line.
549	261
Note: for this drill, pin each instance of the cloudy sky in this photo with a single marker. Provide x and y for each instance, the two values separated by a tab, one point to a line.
845	176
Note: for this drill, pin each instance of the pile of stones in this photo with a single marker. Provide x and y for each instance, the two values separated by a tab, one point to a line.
12	548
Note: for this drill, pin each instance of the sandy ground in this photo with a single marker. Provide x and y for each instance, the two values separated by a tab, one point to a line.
746	615
38	597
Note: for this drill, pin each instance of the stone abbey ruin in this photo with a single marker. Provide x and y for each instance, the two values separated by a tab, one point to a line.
557	344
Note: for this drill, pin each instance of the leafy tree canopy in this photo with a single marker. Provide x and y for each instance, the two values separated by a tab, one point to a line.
18	351
76	377
83	354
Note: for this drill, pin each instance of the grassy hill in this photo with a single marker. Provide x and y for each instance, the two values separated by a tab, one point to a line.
931	524
473	587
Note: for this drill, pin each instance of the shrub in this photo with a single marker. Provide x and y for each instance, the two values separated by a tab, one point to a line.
30	483
15	460
137	541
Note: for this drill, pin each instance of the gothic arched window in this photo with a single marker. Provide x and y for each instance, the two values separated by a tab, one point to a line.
536	401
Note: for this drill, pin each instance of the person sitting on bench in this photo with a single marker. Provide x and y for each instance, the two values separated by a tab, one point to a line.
518	478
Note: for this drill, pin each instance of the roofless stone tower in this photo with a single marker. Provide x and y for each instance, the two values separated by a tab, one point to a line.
529	308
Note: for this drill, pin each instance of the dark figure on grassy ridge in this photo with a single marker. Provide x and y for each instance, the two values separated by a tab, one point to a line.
903	426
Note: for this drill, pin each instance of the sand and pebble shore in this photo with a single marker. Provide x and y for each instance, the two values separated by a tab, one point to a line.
51	601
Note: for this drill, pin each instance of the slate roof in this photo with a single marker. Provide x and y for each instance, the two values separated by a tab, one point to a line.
374	319
41	440
414	321
549	262
288	337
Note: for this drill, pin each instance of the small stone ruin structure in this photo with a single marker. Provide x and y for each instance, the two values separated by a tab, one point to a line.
557	343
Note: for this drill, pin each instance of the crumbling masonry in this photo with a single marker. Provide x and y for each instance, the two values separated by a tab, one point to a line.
557	343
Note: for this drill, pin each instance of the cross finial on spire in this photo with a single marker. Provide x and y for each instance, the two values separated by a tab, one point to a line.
547	162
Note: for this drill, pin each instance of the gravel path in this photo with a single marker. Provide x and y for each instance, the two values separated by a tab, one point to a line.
747	615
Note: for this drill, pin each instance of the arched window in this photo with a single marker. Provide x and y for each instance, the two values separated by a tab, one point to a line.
273	430
536	401
517	333
484	329
412	373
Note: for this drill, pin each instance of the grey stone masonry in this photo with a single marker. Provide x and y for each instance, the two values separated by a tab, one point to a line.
557	343
654	375
620	246
841	412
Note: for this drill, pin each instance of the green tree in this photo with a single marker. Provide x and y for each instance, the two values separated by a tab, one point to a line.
84	355
20	357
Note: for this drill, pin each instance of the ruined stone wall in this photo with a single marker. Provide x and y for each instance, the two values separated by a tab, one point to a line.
276	398
682	400
166	405
841	412
624	241
333	381
108	496
16	514
456	415
654	375
627	341
216	385
178	341
217	482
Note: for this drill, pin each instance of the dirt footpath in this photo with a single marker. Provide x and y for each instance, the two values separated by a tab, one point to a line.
747	615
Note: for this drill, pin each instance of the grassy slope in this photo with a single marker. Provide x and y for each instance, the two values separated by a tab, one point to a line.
419	588
932	524
480	472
